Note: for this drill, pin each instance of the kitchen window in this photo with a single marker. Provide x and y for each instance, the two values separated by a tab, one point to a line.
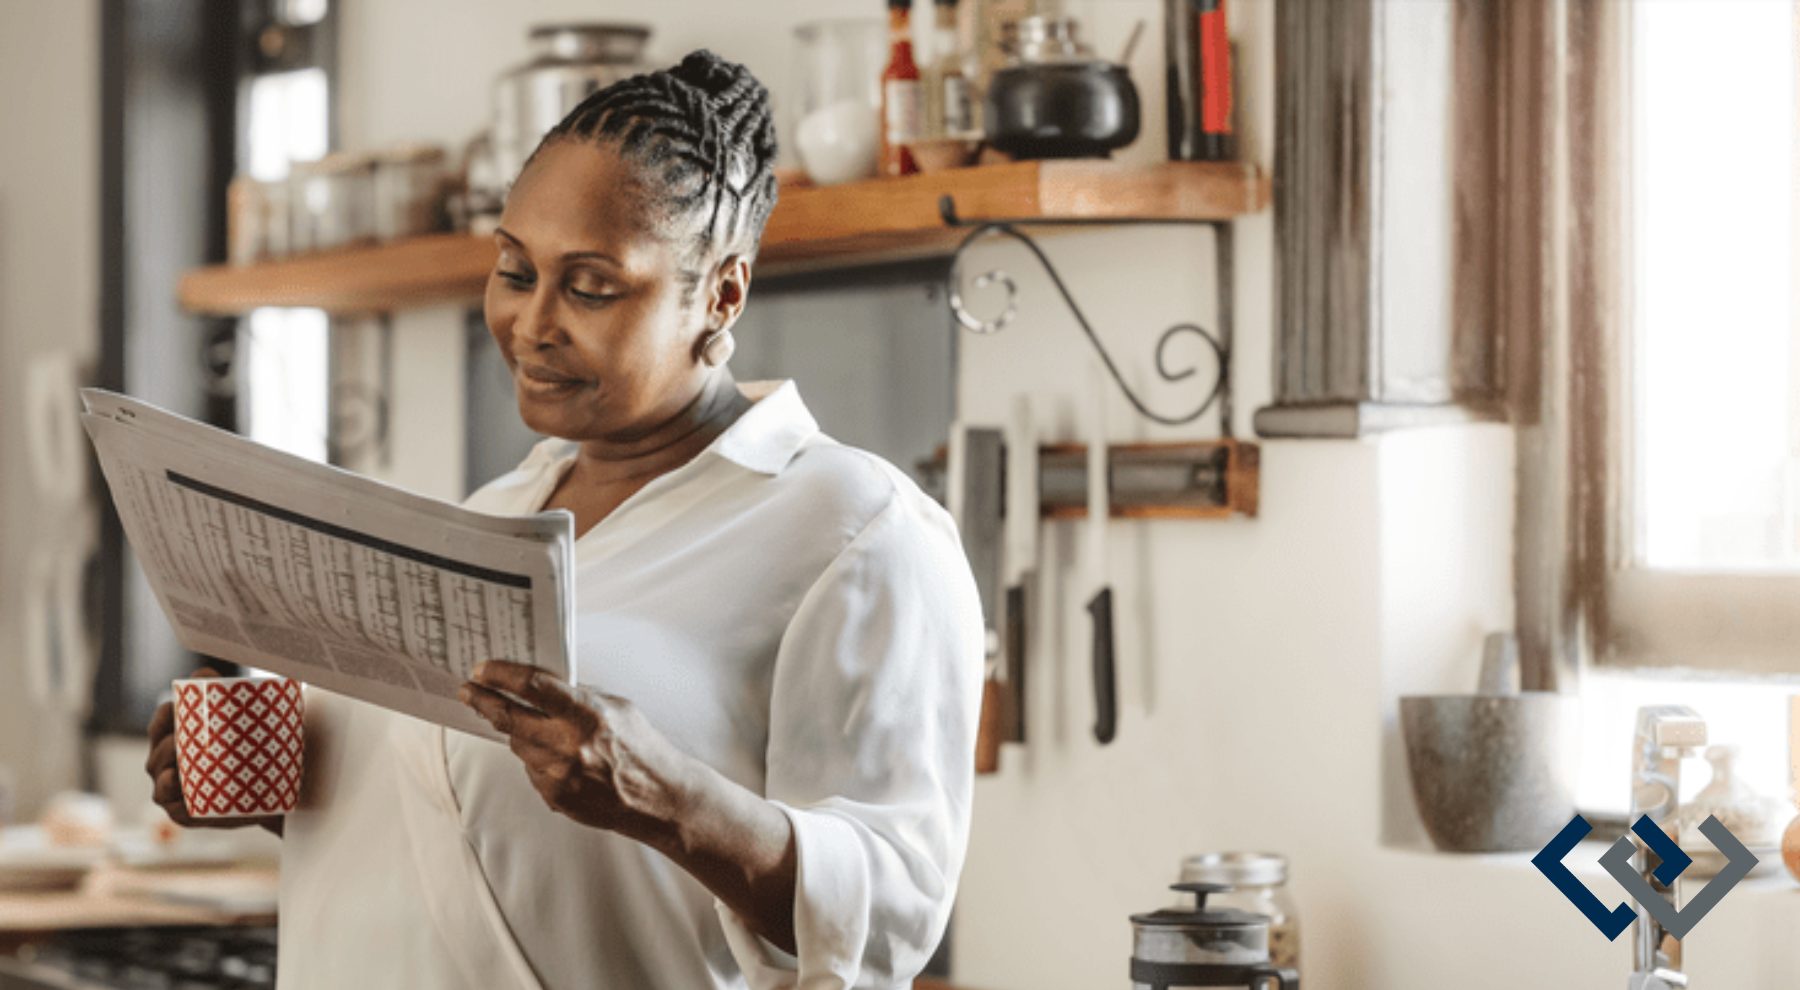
286	99
1708	534
284	353
1678	371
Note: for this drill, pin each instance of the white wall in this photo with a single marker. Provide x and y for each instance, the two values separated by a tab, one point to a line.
49	286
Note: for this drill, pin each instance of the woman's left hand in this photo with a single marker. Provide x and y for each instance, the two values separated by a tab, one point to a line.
593	757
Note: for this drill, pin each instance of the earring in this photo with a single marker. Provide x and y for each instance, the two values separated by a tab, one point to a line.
717	348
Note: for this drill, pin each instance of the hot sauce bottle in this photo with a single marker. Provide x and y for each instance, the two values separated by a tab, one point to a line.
902	97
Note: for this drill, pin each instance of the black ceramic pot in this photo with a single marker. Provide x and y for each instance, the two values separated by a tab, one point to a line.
1072	109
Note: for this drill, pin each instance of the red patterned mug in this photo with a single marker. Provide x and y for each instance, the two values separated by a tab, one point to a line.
238	745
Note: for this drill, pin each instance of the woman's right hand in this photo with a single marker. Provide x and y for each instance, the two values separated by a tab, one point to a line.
165	776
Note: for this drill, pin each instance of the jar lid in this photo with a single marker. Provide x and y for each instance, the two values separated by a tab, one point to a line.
1241	868
1048	39
1199	917
601	42
336	163
409	154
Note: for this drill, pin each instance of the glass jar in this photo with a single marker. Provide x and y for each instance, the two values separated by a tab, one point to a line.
408	191
1259	886
569	62
332	202
837	119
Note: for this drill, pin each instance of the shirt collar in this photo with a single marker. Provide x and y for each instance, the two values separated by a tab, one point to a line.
771	432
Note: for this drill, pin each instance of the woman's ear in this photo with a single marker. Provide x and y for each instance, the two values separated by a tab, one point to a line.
730	288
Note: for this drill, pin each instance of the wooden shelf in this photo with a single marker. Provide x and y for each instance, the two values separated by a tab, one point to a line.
418	271
813	227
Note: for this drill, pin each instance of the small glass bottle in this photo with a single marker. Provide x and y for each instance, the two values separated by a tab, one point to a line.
1259	882
902	105
1754	819
949	110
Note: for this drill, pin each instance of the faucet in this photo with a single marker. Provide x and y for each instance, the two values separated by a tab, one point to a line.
1665	734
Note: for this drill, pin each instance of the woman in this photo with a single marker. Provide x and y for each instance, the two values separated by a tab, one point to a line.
761	773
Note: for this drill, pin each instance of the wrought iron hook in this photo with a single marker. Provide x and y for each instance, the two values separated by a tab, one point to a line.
969	321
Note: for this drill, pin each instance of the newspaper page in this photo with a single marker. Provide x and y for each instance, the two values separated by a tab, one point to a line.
328	577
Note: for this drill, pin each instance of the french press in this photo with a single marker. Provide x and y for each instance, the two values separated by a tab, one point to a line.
1223	947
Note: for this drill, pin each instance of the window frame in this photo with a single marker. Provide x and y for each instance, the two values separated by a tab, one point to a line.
1568	323
1675	617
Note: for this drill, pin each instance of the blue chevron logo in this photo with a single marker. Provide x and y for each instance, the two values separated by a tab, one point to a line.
1617	863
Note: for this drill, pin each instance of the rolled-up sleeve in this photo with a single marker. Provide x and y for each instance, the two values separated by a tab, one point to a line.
871	754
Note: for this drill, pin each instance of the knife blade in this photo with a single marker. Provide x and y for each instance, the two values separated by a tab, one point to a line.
1106	711
976	474
1022	521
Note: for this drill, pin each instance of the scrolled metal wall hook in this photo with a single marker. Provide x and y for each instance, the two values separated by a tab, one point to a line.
1220	347
970	321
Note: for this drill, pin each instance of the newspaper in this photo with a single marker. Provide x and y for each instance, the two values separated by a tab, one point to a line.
277	562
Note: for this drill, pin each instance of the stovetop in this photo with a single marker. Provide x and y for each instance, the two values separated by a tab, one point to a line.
177	958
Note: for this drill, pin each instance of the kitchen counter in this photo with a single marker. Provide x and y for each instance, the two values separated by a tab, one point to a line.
115	896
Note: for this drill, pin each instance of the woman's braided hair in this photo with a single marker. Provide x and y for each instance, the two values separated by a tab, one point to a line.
705	127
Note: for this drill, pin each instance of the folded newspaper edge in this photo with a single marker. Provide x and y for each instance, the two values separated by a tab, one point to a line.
277	562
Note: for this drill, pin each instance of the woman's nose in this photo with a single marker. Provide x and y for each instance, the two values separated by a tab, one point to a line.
539	321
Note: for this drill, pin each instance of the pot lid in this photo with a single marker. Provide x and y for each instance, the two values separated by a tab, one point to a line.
1199	916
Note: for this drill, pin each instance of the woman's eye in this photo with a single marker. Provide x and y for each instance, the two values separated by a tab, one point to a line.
590	290
518	279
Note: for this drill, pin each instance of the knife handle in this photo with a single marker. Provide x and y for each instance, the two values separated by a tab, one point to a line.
987	738
1015	664
1106	710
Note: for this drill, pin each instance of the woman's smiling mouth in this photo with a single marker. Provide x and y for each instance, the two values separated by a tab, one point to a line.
546	381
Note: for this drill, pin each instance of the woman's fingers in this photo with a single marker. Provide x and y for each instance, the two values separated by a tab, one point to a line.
526	703
163	722
506	715
167	792
532	685
162	755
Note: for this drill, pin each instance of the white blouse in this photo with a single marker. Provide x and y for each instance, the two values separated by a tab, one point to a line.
791	611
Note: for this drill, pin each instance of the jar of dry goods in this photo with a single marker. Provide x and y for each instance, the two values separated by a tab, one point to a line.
1259	882
408	195
332	202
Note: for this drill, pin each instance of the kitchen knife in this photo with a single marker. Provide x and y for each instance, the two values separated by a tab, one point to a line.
976	474
1022	520
1106	712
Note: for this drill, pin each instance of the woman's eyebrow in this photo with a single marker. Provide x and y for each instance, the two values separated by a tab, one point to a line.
570	256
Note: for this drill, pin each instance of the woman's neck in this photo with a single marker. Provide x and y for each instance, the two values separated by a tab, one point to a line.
667	446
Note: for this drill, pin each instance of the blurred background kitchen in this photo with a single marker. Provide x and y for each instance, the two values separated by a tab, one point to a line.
1499	296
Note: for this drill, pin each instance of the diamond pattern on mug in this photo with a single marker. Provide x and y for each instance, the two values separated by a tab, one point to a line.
237	746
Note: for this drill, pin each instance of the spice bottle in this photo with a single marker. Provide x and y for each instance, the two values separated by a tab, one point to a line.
1259	882
949	107
902	104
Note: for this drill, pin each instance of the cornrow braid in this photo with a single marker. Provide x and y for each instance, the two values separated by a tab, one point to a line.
705	130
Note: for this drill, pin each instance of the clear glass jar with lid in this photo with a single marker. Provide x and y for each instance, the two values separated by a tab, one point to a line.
1259	885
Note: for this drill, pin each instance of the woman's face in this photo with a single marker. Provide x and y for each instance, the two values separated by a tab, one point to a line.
586	301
